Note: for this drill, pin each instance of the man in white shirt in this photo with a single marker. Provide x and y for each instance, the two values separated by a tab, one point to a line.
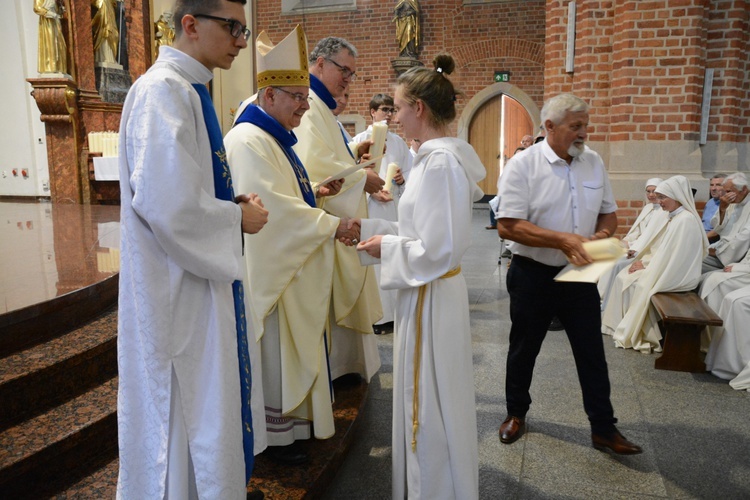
553	197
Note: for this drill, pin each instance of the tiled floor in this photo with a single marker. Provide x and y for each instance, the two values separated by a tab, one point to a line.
695	430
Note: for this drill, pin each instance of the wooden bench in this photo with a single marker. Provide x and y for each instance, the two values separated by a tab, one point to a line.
683	316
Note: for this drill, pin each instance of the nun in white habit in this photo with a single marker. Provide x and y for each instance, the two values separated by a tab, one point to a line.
674	266
645	229
729	354
647	213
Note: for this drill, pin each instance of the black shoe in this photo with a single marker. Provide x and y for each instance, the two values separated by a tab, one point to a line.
287	455
556	325
349	380
255	495
383	328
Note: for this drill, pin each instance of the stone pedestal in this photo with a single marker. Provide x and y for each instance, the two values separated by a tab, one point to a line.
401	64
112	82
56	99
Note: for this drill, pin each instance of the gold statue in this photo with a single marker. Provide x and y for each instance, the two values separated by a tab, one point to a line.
164	32
53	53
407	27
106	34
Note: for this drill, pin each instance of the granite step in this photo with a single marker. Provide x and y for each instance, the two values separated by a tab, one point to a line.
102	483
39	323
36	379
61	446
277	482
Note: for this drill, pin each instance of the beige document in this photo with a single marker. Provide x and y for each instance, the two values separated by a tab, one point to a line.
604	252
349	171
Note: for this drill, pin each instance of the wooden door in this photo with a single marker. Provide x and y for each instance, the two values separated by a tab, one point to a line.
495	132
516	124
484	136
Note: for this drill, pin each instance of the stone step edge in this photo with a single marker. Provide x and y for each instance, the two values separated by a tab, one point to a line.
23	446
46	375
41	322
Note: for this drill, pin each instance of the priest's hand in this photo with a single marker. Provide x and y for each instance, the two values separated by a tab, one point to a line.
636	266
374	183
363	149
331	189
382	196
348	231
728	269
254	215
371	246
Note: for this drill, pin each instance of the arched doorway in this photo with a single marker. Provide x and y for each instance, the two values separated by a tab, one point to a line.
493	122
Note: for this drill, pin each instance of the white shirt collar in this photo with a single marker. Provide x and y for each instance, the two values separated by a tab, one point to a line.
193	70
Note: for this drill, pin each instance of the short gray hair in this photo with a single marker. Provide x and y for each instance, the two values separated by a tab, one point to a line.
557	107
719	176
738	179
329	47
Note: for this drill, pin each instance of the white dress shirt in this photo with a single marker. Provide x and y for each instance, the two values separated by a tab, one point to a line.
540	187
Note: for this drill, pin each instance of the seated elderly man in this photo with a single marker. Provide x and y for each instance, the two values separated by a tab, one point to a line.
729	354
718	284
673	266
716	191
732	223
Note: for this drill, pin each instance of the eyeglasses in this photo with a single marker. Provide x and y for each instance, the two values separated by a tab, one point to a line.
387	111
345	72
298	98
236	28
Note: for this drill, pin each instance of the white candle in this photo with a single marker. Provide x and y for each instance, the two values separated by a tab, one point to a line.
389	175
379	130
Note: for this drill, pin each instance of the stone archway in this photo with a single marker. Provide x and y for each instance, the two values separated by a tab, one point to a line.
488	93
484	124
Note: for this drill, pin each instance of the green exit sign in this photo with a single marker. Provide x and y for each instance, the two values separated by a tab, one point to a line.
502	76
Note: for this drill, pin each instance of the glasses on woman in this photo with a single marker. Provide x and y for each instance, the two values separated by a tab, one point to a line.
236	28
345	72
298	97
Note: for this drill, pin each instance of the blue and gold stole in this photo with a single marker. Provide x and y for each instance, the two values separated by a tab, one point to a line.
286	139
223	190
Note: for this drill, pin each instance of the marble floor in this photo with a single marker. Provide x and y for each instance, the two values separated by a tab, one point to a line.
48	250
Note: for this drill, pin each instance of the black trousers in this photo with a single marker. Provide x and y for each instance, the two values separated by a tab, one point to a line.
535	298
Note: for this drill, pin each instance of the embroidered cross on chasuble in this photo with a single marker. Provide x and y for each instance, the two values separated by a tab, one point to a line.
285	139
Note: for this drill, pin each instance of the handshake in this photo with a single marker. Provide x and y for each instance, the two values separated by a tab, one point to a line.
348	231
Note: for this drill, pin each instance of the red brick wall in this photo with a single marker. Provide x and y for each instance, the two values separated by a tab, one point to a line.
483	38
641	64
